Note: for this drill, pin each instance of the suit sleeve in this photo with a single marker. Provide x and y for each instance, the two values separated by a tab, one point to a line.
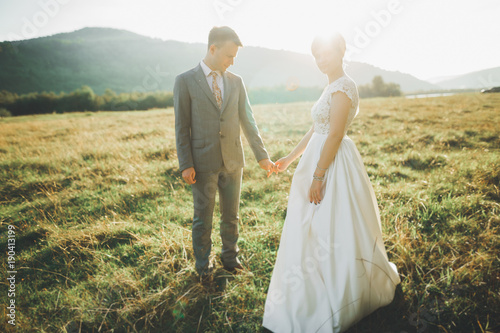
249	126
182	110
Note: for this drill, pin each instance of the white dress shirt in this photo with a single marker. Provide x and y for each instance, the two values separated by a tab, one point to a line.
220	82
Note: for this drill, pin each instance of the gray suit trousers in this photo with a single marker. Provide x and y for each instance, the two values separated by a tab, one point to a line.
204	191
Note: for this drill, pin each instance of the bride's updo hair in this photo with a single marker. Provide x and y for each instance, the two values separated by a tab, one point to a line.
335	40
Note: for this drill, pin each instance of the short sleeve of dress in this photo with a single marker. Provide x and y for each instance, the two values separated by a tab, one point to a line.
320	111
346	86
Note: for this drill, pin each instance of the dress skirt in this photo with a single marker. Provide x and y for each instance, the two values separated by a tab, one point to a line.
331	268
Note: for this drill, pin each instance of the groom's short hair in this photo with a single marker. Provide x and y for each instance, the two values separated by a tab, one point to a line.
220	35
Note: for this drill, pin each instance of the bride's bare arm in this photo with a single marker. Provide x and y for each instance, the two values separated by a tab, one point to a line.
339	111
284	162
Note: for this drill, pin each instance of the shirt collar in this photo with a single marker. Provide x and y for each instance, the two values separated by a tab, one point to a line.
207	70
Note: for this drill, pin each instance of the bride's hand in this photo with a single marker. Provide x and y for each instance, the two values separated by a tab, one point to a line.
315	192
282	164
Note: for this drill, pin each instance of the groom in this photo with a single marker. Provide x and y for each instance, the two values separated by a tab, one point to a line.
210	105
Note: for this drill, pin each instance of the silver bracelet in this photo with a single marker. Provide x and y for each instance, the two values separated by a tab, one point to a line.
318	178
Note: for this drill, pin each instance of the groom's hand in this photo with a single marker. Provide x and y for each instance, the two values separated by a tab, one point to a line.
188	175
267	165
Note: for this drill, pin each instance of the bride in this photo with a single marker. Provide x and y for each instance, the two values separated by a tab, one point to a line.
331	268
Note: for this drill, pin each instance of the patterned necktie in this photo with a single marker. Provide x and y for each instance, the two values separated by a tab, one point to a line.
216	89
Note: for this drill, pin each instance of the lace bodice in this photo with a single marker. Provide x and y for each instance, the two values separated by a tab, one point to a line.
320	111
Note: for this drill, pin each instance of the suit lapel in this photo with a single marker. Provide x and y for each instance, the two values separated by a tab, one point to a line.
227	91
202	82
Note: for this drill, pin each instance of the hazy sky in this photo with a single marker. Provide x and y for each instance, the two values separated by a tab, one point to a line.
421	37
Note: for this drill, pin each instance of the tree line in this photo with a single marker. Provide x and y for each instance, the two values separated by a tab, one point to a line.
82	99
279	94
378	88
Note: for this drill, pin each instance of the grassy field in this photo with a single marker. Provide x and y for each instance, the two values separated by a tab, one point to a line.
102	219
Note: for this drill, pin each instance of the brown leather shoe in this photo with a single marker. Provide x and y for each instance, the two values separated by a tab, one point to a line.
207	276
234	269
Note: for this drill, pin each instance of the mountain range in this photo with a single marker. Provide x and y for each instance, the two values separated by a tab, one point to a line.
123	61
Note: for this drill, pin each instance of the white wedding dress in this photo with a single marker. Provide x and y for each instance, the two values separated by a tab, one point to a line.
332	268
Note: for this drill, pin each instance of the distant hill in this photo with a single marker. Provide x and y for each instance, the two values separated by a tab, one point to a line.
262	67
124	61
476	80
98	57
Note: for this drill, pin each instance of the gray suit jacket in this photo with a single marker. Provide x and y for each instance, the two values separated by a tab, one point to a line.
207	137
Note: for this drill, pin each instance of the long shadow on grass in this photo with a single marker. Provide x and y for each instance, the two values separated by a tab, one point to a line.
29	191
89	205
70	260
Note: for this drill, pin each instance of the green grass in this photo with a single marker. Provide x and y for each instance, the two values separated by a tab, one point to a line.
103	218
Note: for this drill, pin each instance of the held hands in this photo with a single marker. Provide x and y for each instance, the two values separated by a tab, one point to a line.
271	167
267	165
